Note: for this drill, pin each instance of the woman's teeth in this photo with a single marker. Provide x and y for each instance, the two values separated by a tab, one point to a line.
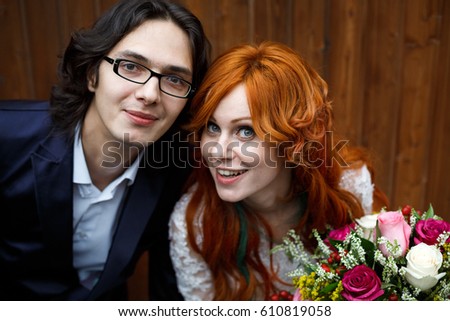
228	173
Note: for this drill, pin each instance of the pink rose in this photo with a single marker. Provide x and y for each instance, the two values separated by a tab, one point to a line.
427	231
339	234
297	295
361	284
394	228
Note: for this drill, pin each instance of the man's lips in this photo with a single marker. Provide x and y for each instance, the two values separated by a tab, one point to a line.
141	118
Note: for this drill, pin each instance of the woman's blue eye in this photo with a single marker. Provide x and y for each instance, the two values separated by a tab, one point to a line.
212	128
246	132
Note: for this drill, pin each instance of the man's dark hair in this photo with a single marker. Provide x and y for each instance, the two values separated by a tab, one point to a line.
70	98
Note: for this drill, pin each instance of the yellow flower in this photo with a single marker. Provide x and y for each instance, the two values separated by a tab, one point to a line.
336	295
446	253
311	279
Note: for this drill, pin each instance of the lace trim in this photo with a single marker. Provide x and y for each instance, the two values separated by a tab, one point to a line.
359	183
193	275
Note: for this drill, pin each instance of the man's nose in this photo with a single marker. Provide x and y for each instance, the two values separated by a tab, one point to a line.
149	92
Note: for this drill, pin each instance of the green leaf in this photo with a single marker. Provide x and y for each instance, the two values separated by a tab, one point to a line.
377	228
387	285
329	288
429	213
415	214
335	242
369	248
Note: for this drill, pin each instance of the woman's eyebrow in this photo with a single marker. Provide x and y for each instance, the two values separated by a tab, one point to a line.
236	120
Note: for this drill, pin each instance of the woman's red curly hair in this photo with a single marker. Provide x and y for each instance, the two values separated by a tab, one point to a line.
290	109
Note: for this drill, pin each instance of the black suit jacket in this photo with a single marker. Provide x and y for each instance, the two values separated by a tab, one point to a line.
36	169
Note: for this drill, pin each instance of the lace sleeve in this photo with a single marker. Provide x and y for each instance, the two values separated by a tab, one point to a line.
193	275
359	183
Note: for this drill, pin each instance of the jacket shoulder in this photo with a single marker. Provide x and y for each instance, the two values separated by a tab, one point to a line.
23	115
23	105
23	124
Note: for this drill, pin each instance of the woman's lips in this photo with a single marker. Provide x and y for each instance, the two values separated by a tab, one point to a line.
227	177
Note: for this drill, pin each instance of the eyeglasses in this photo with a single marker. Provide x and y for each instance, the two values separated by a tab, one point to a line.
137	73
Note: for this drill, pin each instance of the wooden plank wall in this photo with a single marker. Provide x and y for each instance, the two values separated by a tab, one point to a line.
387	64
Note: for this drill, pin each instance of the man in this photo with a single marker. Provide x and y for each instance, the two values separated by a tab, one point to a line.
86	188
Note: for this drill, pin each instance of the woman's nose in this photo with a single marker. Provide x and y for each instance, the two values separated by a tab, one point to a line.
219	149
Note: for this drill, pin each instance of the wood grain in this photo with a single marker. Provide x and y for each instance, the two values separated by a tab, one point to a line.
387	64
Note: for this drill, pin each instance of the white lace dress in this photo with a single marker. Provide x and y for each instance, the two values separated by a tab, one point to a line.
193	275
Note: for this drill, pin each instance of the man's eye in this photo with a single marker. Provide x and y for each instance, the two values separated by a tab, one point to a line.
174	80
130	67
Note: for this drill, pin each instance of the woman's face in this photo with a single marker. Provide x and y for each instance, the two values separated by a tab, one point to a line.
243	166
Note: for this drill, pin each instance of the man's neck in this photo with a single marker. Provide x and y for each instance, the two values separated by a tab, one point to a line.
106	164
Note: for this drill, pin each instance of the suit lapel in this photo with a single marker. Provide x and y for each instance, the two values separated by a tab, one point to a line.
53	171
53	166
138	207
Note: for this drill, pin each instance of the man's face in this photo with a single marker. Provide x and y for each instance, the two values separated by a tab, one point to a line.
139	114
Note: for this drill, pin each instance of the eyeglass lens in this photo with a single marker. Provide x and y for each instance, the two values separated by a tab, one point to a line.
172	85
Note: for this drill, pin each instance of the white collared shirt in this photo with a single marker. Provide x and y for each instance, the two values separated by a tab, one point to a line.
95	214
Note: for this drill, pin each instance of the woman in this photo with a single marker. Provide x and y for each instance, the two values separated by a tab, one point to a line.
264	123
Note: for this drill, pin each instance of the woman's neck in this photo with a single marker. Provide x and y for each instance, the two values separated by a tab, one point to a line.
280	216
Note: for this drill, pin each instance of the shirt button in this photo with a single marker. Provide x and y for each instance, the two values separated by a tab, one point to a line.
82	235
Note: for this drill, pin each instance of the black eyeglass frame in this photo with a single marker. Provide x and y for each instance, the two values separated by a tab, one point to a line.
116	62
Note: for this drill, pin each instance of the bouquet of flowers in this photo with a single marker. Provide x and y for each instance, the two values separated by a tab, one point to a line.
393	255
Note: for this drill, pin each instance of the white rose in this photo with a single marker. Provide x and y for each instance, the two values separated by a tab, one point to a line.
424	262
368	224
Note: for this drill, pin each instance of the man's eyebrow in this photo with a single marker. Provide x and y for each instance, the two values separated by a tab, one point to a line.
168	68
179	70
133	54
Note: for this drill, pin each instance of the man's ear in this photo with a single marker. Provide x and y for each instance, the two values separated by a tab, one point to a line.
92	81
